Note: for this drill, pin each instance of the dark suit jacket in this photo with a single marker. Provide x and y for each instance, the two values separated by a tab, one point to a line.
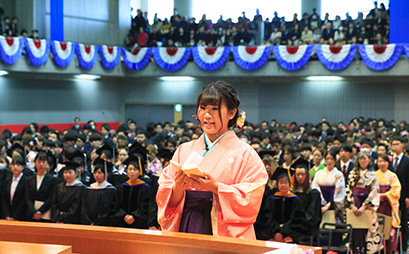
43	194
327	34
350	167
403	174
17	210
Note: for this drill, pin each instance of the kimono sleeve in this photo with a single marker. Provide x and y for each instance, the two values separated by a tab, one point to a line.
339	192
169	217
240	202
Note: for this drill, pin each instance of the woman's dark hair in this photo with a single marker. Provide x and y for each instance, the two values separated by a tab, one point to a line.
215	93
18	160
41	156
333	153
290	151
357	166
35	125
385	157
306	187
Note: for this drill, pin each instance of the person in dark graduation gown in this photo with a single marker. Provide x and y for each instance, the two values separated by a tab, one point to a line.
98	203
281	217
39	189
133	198
310	198
19	150
13	195
67	198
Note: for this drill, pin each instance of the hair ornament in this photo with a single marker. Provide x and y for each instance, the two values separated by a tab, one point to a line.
241	119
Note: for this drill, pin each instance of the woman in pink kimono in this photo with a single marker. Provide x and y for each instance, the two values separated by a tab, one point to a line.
226	201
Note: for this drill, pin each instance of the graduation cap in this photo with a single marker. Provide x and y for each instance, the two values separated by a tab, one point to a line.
135	161
266	152
281	173
104	165
108	150
301	163
136	149
70	165
15	147
165	154
80	157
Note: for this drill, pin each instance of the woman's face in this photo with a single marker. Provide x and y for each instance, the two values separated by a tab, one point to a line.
41	164
283	185
123	155
329	161
210	121
94	154
69	175
287	156
268	169
133	173
382	164
381	150
364	161
300	175
317	157
16	169
99	176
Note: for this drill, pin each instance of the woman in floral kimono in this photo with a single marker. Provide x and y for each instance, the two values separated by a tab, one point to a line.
362	193
226	201
390	188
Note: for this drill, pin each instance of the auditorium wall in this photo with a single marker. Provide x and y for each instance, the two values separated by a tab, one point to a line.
39	98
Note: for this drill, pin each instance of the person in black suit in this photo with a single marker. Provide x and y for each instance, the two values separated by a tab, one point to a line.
400	165
327	33
367	144
39	189
13	195
350	32
344	164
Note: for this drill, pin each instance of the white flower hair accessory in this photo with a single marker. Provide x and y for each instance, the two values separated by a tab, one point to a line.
241	119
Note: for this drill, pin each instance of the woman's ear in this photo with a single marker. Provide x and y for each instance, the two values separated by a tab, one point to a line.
232	113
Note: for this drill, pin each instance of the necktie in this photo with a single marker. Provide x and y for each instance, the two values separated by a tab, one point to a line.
395	165
345	169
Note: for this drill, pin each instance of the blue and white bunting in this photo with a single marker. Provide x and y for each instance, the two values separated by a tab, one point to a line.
171	59
336	58
210	59
292	58
11	49
379	58
109	56
37	51
87	55
251	58
63	52
137	59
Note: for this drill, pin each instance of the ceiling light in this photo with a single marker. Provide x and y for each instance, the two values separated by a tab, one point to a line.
2	73
324	78
87	76
177	78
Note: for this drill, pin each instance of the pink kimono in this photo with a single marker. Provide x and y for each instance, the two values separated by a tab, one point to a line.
241	175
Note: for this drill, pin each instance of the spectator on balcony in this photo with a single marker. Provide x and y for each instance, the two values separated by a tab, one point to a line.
373	12
203	21
154	37
285	35
276	21
183	38
140	20
375	31
362	35
359	21
337	22
350	32
306	35
14	28
165	27
192	24
380	21
6	26
378	40
145	17
34	35
258	17
274	35
325	21
142	38
296	34
316	36
175	15
304	22
294	21
328	32
315	20
339	35
183	23
200	35
220	23
348	20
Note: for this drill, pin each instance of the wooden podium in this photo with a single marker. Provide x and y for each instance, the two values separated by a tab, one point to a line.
100	240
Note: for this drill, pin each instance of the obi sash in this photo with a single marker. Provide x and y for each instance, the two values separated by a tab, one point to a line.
384	205
196	213
360	195
328	194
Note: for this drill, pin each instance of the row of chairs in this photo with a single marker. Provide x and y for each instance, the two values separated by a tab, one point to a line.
328	230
